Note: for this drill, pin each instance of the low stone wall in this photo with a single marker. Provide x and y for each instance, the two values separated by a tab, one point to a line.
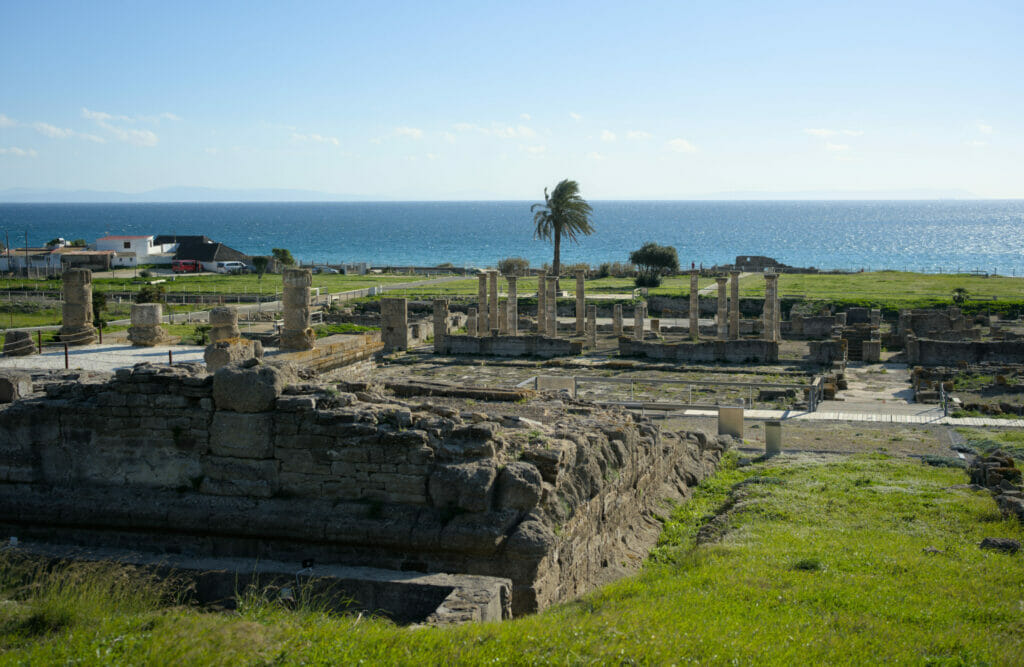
153	459
938	352
727	351
511	346
334	352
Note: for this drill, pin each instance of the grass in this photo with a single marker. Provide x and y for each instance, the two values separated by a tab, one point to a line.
860	560
324	330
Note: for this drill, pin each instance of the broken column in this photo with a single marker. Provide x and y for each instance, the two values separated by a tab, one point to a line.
296	334
18	344
394	324
512	306
638	323
617	320
721	319
591	326
223	324
542	327
734	305
494	321
771	306
551	318
655	326
483	326
440	325
472	323
694	307
76	313
580	302
145	330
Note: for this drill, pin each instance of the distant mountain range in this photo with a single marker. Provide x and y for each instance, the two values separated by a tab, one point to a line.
195	194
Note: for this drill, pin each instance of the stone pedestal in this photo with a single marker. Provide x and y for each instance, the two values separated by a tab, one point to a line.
18	344
655	326
483	324
394	324
734	305
76	313
220	354
871	351
694	306
580	302
617	319
297	333
472	322
494	320
721	318
638	323
591	328
730	421
440	323
145	330
542	298
551	318
512	306
223	324
773	437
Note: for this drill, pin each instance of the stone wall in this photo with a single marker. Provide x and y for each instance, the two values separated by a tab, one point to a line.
727	351
938	352
511	346
155	459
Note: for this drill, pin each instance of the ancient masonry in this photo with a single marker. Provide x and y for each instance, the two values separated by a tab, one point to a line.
694	307
493	318
581	302
253	462
638	322
296	334
734	305
394	318
482	314
145	330
772	309
721	317
551	304
223	324
617	320
76	313
512	309
541	304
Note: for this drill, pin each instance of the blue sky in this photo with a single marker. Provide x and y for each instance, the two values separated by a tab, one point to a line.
496	100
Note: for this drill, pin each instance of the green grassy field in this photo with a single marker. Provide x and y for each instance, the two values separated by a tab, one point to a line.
863	560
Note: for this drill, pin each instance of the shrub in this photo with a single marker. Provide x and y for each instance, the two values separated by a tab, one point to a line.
654	261
514	266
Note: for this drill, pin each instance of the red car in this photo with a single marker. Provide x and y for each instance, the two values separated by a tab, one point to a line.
186	266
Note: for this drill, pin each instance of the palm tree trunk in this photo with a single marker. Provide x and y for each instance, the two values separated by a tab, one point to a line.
556	266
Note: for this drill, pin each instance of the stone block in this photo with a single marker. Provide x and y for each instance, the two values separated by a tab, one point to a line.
14	385
773	437
467	486
730	421
519	486
249	387
228	350
18	344
242	435
146	314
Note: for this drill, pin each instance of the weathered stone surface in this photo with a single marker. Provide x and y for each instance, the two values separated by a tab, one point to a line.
223	324
519	486
228	351
18	344
241	435
254	388
14	385
467	486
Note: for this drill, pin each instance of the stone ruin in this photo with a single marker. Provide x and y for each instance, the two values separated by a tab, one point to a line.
76	313
224	324
145	329
554	495
296	333
18	343
998	473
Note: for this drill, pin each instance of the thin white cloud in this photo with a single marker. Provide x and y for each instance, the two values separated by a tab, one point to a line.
448	137
853	133
316	138
607	135
7	121
498	130
143	138
820	132
575	116
638	135
432	156
411	132
681	146
524	116
984	129
19	152
977	144
836	147
212	151
52	131
594	155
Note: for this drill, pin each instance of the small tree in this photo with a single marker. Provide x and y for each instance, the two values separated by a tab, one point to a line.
260	264
960	296
514	266
150	294
654	261
78	243
283	255
99	304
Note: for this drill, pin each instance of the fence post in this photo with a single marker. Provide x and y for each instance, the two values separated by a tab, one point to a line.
66	361
39	340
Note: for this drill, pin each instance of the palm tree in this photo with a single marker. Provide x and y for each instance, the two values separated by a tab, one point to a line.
563	213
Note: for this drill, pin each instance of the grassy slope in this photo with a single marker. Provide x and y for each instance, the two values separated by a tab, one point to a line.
827	566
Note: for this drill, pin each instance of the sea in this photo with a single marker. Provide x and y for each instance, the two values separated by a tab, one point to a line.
931	236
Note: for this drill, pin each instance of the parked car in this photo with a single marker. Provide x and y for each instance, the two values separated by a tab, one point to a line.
232	267
186	266
325	269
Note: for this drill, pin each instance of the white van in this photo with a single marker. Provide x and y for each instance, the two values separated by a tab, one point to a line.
231	267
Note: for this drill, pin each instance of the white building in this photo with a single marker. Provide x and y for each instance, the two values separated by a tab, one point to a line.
135	250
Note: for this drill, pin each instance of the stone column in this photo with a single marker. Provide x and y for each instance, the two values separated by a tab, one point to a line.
223	324
394	324
694	307
496	320
512	305
145	330
723	307
440	325
472	322
580	302
296	333
769	313
638	323
592	326
551	318
542	294
483	326
734	306
617	319
76	313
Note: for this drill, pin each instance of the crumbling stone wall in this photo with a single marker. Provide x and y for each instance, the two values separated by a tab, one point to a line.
937	352
510	346
728	351
252	462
